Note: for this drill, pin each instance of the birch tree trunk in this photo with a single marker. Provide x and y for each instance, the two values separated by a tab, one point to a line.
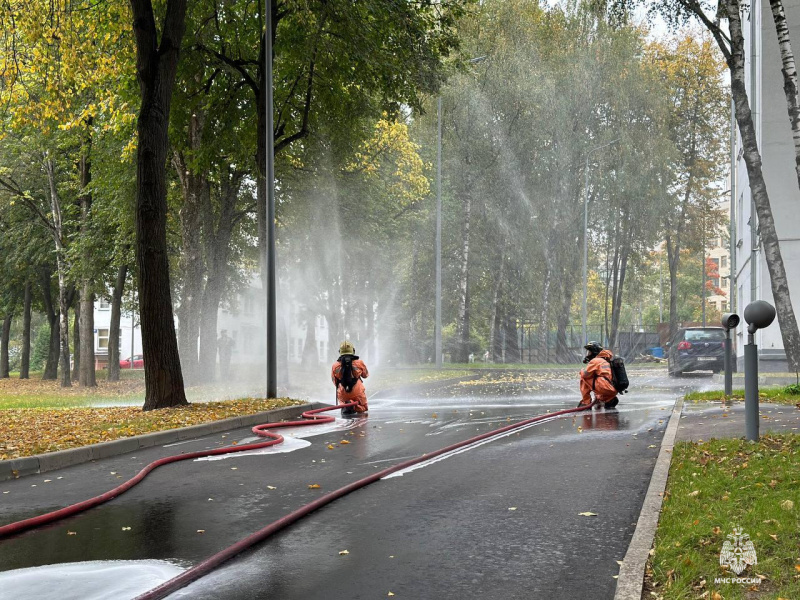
25	364
498	284
766	223
789	72
463	285
63	304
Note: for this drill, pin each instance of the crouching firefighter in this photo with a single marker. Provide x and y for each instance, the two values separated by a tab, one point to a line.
347	374
598	377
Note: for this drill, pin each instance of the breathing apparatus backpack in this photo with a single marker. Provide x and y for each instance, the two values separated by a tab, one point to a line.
619	376
348	380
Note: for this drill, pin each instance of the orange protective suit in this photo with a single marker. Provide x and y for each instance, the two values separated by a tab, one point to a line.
358	393
597	378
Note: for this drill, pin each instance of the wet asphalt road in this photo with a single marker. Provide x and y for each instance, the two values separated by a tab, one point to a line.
442	531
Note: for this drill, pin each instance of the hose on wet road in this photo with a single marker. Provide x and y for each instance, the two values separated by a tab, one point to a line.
310	418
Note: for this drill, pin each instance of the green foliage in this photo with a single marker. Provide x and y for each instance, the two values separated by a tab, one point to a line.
40	347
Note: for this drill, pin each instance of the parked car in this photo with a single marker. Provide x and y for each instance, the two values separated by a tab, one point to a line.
696	349
138	362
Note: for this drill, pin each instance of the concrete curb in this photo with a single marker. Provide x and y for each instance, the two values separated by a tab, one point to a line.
631	573
50	461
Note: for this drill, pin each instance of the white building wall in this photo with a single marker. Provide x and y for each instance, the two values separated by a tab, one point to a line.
775	142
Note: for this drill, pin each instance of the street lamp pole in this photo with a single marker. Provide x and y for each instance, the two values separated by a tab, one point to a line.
586	236
272	357
438	325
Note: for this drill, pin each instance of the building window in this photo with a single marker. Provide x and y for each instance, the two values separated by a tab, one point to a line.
723	262
715	282
724	306
102	304
102	339
715	261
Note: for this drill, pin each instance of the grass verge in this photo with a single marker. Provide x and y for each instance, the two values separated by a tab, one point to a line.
789	394
716	486
28	431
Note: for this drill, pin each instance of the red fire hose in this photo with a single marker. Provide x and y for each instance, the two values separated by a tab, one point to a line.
310	417
214	561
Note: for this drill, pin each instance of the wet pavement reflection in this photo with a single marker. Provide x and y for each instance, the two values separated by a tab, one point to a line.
185	512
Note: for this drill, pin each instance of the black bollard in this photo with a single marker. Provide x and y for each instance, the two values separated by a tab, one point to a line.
729	321
758	314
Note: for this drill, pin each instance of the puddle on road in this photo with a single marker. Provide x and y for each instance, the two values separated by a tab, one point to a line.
93	580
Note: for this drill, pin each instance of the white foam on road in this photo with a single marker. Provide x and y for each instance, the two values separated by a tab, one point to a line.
91	580
293	438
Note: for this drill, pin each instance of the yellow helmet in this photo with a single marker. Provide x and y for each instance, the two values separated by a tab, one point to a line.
346	348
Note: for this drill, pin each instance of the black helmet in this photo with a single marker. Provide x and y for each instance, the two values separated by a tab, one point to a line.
592	350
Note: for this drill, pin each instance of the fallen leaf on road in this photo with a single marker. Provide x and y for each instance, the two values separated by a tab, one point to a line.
512	508
330	446
619	562
652	446
615	576
234	468
390	594
48	480
587	514
694	493
72	533
343	552
580	429
126	529
314	486
271	487
773	536
201	531
344	442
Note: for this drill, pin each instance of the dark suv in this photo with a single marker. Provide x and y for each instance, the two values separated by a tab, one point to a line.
697	349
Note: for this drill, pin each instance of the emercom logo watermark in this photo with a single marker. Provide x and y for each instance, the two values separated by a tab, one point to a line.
737	552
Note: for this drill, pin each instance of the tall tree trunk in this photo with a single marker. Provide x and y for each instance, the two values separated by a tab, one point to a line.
789	71
218	231
5	339
758	188
498	284
76	342
25	364
86	370
673	262
113	328
195	188
61	267
156	65
463	285
54	347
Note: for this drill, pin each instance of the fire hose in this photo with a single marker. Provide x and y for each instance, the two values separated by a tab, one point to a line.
310	418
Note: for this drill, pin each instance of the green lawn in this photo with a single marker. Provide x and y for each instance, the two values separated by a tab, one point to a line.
789	394
714	487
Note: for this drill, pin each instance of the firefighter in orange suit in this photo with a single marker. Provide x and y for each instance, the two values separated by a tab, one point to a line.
347	374
597	377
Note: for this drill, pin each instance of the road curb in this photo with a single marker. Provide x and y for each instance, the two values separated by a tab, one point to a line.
50	461
631	573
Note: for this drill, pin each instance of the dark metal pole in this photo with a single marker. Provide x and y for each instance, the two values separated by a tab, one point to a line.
272	355
728	364
438	342
751	389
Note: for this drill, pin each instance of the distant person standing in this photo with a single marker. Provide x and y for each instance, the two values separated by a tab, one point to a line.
347	373
225	348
